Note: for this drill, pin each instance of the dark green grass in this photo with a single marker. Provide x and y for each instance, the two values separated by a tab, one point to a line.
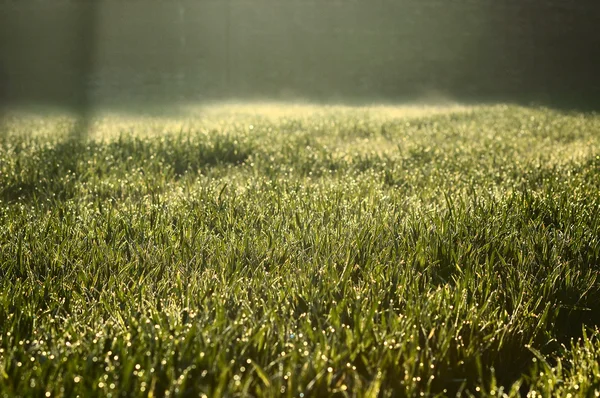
357	252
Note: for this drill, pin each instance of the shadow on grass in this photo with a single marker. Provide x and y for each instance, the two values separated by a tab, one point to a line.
56	173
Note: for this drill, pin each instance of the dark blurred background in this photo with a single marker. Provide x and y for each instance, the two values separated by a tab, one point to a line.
113	52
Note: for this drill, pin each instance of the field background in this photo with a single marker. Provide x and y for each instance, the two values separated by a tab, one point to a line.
351	51
300	250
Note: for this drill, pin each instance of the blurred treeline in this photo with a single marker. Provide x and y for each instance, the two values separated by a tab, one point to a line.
112	51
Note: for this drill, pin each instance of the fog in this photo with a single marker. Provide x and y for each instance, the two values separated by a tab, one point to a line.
84	54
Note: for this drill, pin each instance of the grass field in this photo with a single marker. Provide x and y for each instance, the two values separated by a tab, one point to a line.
300	251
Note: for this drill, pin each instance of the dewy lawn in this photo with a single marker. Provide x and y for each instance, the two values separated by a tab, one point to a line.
300	251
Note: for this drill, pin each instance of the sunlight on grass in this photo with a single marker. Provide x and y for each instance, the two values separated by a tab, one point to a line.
269	250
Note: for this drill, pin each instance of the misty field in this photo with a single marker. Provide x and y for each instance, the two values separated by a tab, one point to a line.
301	251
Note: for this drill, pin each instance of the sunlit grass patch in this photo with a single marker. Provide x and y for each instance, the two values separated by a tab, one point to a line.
300	250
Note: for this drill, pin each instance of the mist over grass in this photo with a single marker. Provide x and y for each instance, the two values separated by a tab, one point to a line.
301	250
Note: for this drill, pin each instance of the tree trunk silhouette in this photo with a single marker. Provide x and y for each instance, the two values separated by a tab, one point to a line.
84	52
